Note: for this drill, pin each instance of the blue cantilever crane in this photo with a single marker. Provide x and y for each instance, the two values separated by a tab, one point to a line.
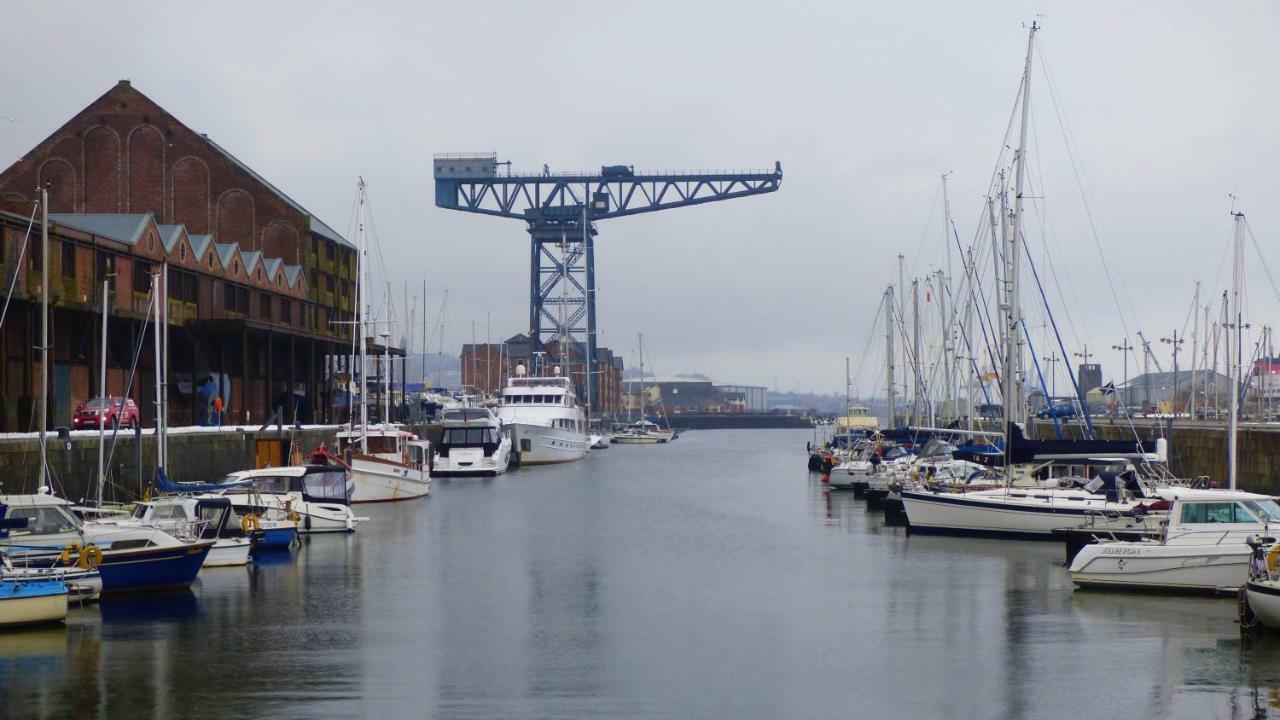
560	211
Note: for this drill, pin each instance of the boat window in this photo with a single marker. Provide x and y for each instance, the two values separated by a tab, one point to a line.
140	511
379	444
327	485
169	511
475	436
273	483
42	521
1266	510
211	514
1215	512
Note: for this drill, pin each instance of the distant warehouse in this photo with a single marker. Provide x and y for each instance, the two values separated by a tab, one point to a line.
679	395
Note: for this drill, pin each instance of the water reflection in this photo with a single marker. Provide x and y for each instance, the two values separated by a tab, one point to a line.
709	578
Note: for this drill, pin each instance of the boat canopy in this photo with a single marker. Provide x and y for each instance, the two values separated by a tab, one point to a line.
165	485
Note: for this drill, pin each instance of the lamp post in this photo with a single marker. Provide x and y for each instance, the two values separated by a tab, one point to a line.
1053	379
1174	342
1125	348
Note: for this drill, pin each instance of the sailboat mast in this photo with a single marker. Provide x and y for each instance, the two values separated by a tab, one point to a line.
102	390
1013	400
888	352
163	319
944	288
154	310
362	271
44	336
917	400
1233	350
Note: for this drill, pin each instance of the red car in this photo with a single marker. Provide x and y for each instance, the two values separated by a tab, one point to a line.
111	411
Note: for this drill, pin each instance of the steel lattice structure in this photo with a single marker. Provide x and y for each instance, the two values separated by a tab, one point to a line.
561	210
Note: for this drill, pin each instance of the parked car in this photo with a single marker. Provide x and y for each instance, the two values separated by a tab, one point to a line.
1058	411
107	411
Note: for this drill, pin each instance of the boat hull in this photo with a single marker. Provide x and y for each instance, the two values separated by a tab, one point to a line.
1264	601
228	552
1156	566
381	481
471	462
153	568
965	514
275	538
32	603
542	445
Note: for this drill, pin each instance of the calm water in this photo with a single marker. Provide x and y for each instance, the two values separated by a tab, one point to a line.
712	577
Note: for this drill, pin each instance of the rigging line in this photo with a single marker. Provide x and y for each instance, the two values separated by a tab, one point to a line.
1275	288
1080	185
1044	299
17	267
1035	360
924	235
133	368
983	309
871	335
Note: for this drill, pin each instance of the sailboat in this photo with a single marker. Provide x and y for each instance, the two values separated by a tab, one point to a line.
387	462
1047	484
643	431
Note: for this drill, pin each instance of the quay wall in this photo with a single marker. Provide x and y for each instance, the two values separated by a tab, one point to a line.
738	421
199	455
1200	448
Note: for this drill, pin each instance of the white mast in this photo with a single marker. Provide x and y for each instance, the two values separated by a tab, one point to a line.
361	271
154	309
1233	349
888	351
162	317
1013	400
106	397
44	338
917	399
944	289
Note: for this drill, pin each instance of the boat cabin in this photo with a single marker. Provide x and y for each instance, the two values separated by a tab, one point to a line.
206	518
314	483
388	442
470	428
539	391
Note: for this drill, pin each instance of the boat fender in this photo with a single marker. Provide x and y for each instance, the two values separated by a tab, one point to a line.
306	523
65	556
250	523
90	557
1273	559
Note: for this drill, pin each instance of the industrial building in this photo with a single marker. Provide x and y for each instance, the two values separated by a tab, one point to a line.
675	396
259	287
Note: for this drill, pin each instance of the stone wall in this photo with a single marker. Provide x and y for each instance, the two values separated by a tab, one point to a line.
193	457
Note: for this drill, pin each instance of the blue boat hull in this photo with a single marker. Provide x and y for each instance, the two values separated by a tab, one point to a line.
149	569
274	538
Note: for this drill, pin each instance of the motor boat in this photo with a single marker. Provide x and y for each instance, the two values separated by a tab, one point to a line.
387	463
599	442
193	517
547	424
1203	546
318	494
128	559
473	443
82	581
1260	605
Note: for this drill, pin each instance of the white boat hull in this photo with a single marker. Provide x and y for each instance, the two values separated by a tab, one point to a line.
228	552
1264	600
471	462
32	610
542	445
382	481
1152	566
636	439
971	513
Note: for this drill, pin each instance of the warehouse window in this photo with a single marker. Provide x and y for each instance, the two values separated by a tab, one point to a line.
264	306
141	276
68	260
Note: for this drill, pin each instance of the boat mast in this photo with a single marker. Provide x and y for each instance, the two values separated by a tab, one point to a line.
642	391
362	270
154	310
44	338
1013	401
944	288
102	388
1233	349
888	351
917	400
1195	340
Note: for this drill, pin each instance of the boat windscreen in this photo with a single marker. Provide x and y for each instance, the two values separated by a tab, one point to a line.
326	486
271	483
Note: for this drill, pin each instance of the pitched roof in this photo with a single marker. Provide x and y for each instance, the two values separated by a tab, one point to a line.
251	258
169	235
121	228
272	264
291	273
199	243
317	226
225	251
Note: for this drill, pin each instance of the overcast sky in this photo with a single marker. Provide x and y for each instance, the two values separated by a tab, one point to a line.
1171	107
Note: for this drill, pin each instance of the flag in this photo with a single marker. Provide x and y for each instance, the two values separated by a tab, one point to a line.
1109	388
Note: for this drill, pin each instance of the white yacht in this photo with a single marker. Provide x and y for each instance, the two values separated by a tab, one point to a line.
547	424
320	495
192	517
473	443
1203	547
388	463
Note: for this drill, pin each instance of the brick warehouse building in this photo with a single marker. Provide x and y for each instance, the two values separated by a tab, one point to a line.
256	282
